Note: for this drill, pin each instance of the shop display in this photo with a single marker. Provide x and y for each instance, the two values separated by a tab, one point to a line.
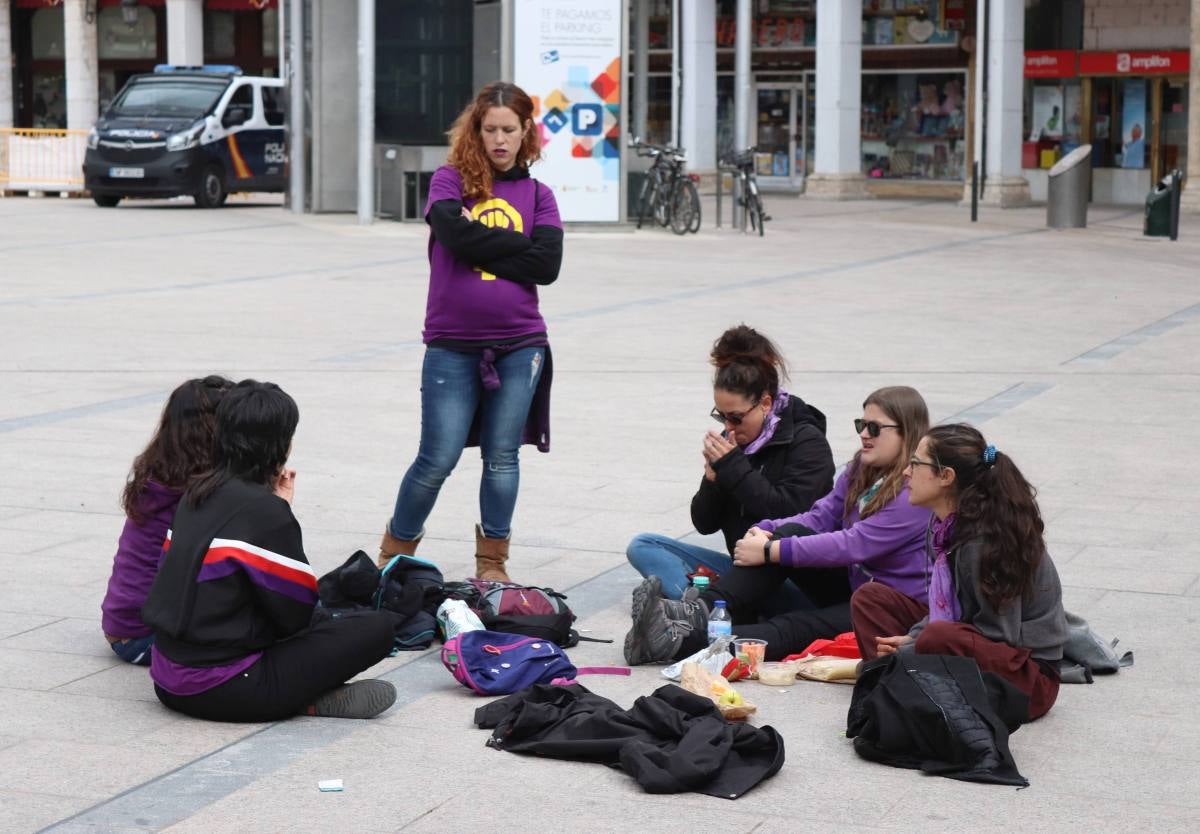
912	125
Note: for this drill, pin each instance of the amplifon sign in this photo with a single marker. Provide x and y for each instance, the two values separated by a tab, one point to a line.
1173	62
1050	63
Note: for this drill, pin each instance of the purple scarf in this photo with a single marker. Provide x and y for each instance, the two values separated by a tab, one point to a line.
943	601
770	423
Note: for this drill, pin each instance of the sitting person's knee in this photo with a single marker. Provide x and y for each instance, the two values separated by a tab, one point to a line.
941	637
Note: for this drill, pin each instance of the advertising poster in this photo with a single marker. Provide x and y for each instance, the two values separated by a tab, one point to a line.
1133	124
567	56
1047	113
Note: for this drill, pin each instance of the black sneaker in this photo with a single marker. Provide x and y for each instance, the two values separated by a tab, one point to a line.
361	699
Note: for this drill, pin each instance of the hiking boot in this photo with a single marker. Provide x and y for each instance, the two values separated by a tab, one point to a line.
391	546
689	608
655	637
490	556
361	699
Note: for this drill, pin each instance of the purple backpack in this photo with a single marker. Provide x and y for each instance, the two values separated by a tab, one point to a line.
494	663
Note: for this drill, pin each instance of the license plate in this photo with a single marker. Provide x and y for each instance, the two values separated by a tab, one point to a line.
127	173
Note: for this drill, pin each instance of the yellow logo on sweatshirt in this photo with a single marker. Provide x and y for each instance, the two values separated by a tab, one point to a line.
497	213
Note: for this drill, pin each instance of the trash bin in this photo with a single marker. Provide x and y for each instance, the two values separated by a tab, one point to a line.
1069	189
1162	212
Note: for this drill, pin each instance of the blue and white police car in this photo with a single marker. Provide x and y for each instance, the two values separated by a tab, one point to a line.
199	131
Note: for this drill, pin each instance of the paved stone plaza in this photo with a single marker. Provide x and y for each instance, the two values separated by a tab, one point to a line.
1076	352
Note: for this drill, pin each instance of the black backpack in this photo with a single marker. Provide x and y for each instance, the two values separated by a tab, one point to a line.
527	610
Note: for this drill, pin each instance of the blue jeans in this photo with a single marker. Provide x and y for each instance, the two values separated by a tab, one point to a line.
672	560
451	393
135	650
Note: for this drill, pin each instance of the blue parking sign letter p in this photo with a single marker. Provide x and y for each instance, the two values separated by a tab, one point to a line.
587	119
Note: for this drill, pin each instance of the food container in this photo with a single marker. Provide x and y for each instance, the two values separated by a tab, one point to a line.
777	674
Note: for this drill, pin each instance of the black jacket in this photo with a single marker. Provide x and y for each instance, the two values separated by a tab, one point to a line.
783	478
669	742
233	579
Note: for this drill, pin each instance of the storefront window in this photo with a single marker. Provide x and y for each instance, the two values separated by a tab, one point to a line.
270	33
1174	126
47	34
912	125
220	35
120	40
49	99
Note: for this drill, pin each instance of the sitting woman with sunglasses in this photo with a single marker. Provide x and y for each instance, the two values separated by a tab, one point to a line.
772	459
993	591
865	531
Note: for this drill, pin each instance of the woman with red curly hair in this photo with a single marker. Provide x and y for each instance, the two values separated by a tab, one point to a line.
495	237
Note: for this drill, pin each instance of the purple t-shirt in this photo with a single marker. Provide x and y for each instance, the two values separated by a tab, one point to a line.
136	562
466	303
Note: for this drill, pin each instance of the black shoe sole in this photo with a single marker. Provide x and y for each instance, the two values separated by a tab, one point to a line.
361	699
644	595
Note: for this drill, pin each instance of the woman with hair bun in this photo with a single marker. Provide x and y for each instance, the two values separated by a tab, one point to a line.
771	459
994	594
495	236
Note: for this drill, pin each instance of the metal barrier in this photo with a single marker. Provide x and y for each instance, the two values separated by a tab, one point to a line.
41	159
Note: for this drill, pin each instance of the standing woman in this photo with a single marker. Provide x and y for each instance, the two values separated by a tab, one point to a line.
496	236
994	593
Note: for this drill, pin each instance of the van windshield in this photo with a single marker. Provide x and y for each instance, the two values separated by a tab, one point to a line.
169	97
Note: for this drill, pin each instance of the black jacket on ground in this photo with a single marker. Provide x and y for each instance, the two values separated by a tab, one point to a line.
669	742
938	714
233	579
783	478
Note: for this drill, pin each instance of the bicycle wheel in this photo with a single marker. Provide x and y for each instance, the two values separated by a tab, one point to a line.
755	207
685	206
645	198
662	203
695	197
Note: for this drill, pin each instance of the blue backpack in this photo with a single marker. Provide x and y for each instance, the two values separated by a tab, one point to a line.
494	663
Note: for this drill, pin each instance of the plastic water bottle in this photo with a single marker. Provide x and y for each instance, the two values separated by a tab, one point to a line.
719	624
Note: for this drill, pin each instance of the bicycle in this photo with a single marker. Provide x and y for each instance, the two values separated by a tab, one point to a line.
748	196
668	194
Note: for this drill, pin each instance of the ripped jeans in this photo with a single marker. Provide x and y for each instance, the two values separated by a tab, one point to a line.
451	392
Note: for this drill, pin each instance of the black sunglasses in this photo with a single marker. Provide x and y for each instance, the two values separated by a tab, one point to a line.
873	428
733	419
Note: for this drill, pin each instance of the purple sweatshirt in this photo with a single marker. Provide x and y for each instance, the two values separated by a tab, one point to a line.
138	552
887	547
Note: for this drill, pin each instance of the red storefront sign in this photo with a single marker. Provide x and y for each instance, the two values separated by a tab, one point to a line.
1050	63
1166	62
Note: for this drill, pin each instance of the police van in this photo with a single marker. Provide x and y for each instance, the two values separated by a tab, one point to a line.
199	131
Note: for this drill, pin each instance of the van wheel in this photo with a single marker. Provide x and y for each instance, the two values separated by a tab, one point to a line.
212	192
105	200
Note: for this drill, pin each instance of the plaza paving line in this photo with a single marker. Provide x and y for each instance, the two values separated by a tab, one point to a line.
88	410
70	244
202	285
998	404
708	292
1114	347
185	790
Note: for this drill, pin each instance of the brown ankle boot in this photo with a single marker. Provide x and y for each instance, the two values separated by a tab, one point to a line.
490	556
391	546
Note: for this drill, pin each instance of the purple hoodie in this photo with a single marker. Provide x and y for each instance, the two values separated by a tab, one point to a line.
887	547
138	552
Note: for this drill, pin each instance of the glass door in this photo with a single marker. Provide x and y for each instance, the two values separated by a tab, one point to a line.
778	159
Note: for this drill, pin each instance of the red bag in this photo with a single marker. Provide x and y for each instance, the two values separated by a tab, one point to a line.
844	645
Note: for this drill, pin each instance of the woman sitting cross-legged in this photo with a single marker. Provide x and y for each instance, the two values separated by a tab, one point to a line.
864	531
771	460
232	603
994	594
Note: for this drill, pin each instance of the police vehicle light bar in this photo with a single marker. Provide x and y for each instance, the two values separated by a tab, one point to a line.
224	69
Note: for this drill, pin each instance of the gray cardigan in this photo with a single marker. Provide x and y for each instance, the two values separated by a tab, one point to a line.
1037	623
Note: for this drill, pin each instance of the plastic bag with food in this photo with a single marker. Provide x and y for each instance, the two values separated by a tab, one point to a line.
696	679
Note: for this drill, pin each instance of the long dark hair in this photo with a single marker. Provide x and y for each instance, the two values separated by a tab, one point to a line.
747	363
182	446
467	155
996	505
906	408
255	424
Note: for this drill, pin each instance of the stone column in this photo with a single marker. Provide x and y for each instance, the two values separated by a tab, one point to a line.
82	64
838	172
1005	187
6	85
1190	199
698	111
185	32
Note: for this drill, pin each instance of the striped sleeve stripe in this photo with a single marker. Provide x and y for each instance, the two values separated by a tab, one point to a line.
167	541
263	560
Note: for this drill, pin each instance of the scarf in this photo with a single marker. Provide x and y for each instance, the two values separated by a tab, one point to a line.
943	601
770	423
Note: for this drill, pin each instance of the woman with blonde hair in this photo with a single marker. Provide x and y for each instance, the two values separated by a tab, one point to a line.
495	236
865	531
